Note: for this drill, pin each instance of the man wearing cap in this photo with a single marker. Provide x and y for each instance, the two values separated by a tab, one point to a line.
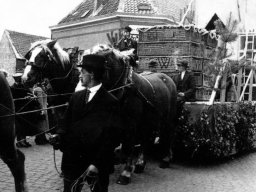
90	130
184	82
127	43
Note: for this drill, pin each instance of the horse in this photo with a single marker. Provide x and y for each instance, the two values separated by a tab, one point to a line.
46	60
13	157
148	106
149	98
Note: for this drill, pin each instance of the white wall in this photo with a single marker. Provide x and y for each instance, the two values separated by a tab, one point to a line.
206	8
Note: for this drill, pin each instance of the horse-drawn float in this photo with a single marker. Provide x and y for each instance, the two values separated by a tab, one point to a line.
218	123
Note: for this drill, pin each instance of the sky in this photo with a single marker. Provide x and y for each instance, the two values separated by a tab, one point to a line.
206	9
33	16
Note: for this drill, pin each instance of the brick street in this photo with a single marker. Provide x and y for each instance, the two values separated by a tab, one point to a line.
236	175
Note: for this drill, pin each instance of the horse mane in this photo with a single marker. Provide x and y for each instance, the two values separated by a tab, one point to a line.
38	43
105	49
62	55
116	66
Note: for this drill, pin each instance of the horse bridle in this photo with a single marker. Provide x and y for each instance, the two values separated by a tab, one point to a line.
125	68
51	58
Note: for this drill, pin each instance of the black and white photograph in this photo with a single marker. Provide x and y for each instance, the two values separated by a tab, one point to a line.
128	96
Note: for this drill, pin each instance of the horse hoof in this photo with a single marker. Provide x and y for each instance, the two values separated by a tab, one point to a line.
123	180
139	167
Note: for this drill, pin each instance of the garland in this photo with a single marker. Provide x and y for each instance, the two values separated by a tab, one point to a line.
212	34
220	131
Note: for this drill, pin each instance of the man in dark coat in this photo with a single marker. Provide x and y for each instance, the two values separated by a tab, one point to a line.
185	83
127	43
90	131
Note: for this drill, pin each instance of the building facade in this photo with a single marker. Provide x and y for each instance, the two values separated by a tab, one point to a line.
100	21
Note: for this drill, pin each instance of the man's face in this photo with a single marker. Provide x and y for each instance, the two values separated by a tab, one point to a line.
85	77
126	34
181	68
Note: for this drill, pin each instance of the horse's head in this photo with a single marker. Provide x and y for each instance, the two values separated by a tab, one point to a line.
45	59
117	66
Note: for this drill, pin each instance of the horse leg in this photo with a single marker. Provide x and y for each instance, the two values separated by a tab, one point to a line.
128	150
145	132
166	142
16	165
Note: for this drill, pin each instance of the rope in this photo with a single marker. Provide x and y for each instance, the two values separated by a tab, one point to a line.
35	97
33	111
56	106
81	178
38	134
55	164
127	85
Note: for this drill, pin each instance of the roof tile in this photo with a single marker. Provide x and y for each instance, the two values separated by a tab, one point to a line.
152	7
22	41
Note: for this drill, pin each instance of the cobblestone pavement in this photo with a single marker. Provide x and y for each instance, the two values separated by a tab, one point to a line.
237	175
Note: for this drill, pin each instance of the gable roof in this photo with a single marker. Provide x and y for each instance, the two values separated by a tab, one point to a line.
21	42
210	25
88	8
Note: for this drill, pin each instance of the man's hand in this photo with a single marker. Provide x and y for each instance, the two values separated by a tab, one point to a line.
181	94
92	176
54	140
92	170
42	112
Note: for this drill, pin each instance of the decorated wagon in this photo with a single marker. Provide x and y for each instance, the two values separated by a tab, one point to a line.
219	123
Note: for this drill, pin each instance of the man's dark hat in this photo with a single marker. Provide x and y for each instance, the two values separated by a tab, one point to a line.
183	63
127	28
93	61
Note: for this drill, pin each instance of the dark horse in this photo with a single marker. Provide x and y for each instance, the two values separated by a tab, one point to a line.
8	152
148	102
148	106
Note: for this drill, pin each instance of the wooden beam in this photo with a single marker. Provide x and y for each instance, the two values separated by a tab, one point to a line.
246	84
239	82
235	88
250	86
223	88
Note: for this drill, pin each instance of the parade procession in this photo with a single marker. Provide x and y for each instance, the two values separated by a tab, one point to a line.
128	95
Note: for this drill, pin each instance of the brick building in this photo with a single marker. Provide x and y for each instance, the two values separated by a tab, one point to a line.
100	21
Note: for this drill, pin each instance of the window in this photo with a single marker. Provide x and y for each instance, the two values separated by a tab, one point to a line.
85	13
144	7
75	13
